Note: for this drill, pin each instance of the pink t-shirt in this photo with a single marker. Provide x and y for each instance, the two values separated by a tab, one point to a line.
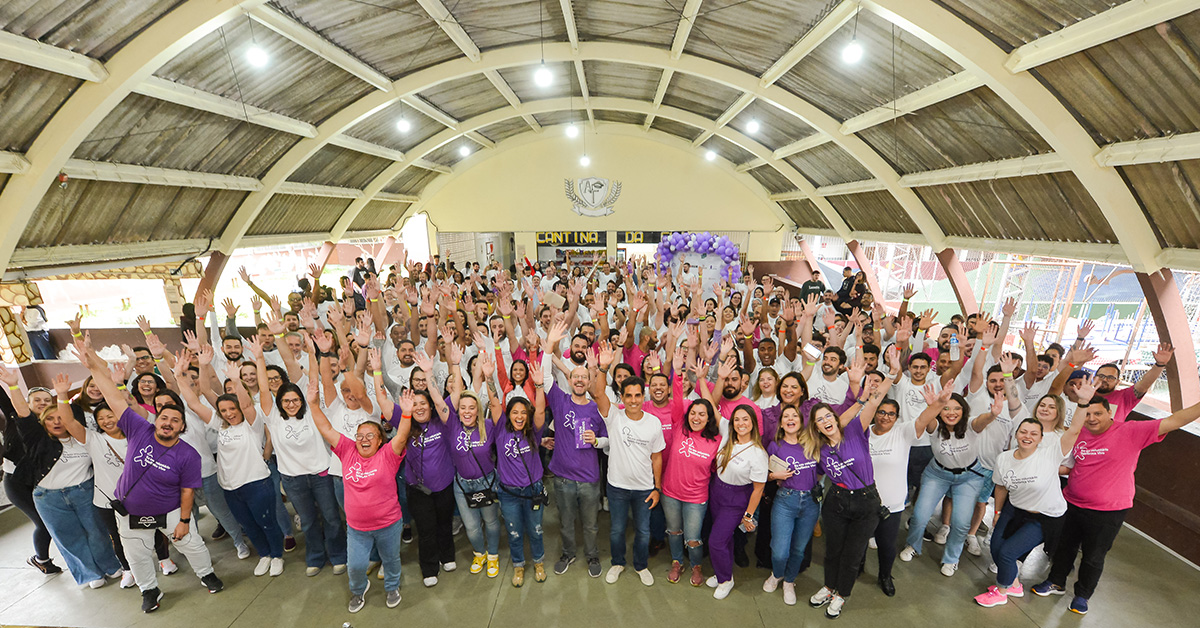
727	406
689	467
670	414
634	356
1102	478
1122	402
371	501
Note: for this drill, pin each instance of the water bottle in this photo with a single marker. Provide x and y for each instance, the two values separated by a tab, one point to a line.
954	355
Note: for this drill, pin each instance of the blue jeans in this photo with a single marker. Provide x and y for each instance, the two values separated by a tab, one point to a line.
793	518
684	522
1006	552
481	524
578	500
963	490
320	518
77	530
359	545
214	497
522	521
621	504
253	505
282	518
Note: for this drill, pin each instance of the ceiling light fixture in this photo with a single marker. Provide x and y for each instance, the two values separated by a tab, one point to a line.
710	155
542	76
257	57
403	125
752	127
464	151
585	161
572	130
853	52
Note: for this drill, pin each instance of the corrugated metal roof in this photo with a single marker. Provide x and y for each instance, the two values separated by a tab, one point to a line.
1168	191
495	23
970	128
651	23
699	96
97	28
286	213
776	127
501	131
447	154
728	150
150	132
102	212
411	181
1041	207
28	99
751	35
1014	22
378	215
340	167
622	117
828	164
295	82
621	80
562	117
805	214
380	128
466	97
564	84
845	91
1142	85
873	211
677	129
771	179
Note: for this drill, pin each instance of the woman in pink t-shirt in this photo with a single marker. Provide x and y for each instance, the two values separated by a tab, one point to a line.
688	471
369	466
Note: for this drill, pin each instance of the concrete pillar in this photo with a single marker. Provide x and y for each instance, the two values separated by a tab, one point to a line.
1170	318
526	246
864	264
212	274
173	290
809	265
958	281
381	260
611	246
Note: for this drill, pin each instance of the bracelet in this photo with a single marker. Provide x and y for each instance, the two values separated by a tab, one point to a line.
157	360
14	388
1072	365
505	317
749	336
376	372
187	521
373	300
63	401
1008	375
405	416
147	333
77	334
281	334
121	387
1157	365
256	312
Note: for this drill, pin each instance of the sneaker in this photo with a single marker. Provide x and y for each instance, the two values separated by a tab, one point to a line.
821	598
477	563
406	534
594	567
771	583
339	569
675	572
539	572
127	580
942	534
243	552
1016	590
289	543
312	571
371	565
518	576
835	606
614	572
712	582
219	533
150	600
1047	589
48	567
604	504
723	590
213	583
948	569
276	566
973	547
379	574
358	601
646	576
907	554
887	586
1079	605
563	563
789	593
263	566
393	598
456	525
992	567
450	566
168	566
872	544
96	584
493	565
430	581
992	597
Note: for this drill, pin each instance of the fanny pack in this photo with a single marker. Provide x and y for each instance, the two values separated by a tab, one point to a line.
147	522
482	498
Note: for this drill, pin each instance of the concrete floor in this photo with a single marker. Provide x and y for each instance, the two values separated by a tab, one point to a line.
1142	585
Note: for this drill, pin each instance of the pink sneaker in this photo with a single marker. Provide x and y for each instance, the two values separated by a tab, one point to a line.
992	597
1016	590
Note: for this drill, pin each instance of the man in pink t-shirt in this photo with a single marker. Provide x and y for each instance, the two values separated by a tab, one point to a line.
732	397
1125	400
1100	492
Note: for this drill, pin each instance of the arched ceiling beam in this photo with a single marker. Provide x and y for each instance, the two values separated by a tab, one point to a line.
824	29
442	16
87	107
509	95
691	9
954	38
34	53
318	45
186	96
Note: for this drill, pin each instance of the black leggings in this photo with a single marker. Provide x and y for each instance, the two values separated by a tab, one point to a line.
161	546
886	534
22	497
433	514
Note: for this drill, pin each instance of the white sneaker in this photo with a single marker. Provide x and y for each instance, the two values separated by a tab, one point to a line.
430	581
993	568
789	593
614	572
711	582
168	566
263	566
276	566
96	584
821	598
907	554
243	552
339	569
871	544
312	571
835	606
973	547
942	534
450	566
646	576
723	590
771	583
127	580
948	569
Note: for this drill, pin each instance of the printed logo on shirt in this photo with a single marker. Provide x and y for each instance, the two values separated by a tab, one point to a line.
954	446
1082	451
463	442
1011	481
426	438
516	447
687	449
798	466
145	457
295	432
568	421
111	459
630	439
834	467
914	399
228	437
356	474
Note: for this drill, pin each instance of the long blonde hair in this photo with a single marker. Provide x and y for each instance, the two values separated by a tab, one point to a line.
813	438
726	452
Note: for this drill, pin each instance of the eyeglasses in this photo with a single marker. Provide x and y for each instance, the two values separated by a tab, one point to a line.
366	437
1107	378
886	415
824	419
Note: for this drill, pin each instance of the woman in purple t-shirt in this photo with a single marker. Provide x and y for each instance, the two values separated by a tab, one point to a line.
522	495
795	512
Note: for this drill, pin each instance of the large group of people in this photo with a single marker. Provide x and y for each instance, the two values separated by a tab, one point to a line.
712	415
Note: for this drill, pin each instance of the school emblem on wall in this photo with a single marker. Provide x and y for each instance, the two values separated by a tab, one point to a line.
592	196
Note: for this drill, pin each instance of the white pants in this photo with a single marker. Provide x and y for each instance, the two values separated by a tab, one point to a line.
139	550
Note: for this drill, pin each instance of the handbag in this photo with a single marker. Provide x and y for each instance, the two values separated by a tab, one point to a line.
481	498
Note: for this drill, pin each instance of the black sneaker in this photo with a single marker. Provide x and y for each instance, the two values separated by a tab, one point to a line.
741	559
150	600
887	586
594	567
213	583
48	567
406	534
563	563
219	533
289	543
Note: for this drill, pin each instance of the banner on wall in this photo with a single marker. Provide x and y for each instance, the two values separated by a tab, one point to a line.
572	238
710	258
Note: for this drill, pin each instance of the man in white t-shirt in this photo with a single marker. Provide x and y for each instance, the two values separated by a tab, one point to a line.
831	387
907	391
635	464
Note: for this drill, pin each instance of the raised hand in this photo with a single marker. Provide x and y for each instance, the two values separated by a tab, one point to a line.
725	369
858	367
606	355
374	359
1081	356
997	407
156	346
117	373
406	403
930	394
747	326
9	376
487	364
203	303
314	271
892	359
143	325
62	386
1008	363
423	362
811	304
255	303
254	346
323	342
231	309
1087	388
1085	328
535	371
910	291
75	324
1009	308
1028	333
989	336
903	333
205	355
1164	353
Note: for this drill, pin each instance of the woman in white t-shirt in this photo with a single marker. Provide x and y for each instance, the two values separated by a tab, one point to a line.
1029	501
766	388
890	444
735	493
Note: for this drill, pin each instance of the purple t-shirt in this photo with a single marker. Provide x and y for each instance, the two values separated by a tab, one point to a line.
772	415
804	470
516	459
471	454
571	419
154	474
849	465
427	462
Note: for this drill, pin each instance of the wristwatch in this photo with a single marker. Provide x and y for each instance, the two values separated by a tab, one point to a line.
187	521
748	516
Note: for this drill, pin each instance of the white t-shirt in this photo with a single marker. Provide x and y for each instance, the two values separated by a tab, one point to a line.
955	453
74	466
240	453
630	444
912	401
999	432
346	422
889	457
107	465
299	447
829	392
197	435
747	464
1032	483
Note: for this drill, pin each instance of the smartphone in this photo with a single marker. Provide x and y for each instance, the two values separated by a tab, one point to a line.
812	352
